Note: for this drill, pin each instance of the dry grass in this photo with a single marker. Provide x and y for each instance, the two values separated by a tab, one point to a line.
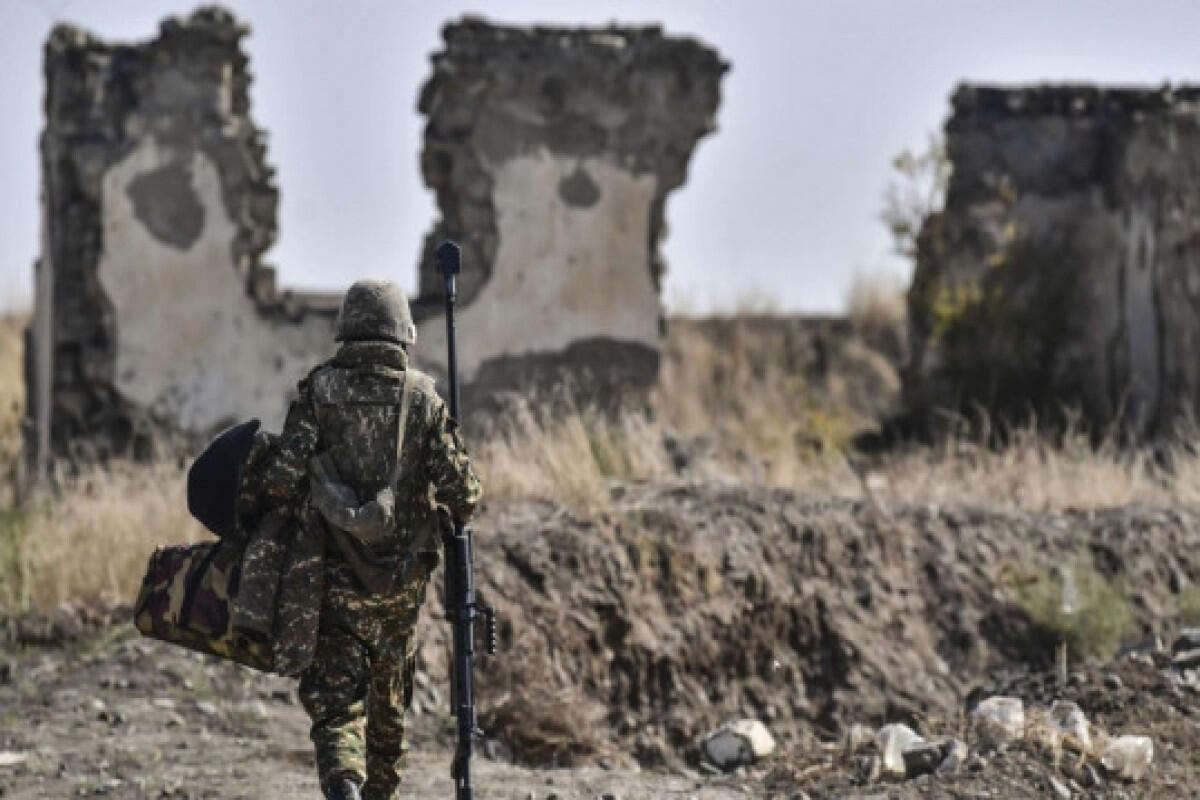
570	458
89	543
12	388
728	409
877	300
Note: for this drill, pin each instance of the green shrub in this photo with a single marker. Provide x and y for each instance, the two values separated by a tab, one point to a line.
1078	606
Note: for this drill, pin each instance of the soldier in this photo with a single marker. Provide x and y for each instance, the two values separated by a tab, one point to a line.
372	455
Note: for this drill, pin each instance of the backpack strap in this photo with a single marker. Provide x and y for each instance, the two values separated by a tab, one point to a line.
410	380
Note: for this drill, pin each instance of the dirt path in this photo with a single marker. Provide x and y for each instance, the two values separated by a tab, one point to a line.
131	718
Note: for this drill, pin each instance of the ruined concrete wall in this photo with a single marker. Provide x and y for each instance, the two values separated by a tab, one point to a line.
1065	270
552	152
154	313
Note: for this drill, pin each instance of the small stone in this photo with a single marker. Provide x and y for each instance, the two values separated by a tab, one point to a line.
11	758
1113	682
891	741
1069	719
1188	639
925	758
96	705
1088	776
1128	757
1186	659
738	743
999	720
206	708
956	756
867	768
165	703
1059	788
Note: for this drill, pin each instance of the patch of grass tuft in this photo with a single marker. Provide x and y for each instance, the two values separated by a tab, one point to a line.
1076	605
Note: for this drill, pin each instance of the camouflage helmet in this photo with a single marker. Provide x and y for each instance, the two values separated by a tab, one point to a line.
375	309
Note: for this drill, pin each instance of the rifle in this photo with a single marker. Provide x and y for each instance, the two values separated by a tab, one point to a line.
458	544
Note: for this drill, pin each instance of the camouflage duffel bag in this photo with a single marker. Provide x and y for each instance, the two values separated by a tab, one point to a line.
185	599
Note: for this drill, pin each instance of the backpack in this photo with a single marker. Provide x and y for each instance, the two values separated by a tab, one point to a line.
355	527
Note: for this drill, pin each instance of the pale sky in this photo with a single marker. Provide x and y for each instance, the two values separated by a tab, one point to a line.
782	202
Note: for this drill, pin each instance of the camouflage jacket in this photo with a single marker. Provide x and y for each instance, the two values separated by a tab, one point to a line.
348	407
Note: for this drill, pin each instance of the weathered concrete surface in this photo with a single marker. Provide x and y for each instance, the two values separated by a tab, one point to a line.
1065	270
552	152
154	312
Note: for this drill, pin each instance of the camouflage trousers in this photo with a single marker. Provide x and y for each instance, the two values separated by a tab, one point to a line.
359	684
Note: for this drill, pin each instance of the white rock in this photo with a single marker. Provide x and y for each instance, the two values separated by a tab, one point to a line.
1128	756
999	720
891	741
1069	719
739	743
956	756
10	758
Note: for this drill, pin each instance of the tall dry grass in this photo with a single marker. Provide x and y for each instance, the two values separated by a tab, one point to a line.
12	391
731	408
87	544
88	541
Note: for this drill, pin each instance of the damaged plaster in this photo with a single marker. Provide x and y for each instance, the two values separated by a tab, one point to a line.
552	152
155	317
191	344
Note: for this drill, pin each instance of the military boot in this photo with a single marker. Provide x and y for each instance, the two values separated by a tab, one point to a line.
343	789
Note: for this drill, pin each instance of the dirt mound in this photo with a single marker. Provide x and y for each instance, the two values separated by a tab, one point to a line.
687	606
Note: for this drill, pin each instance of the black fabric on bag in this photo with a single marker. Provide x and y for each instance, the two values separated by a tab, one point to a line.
212	482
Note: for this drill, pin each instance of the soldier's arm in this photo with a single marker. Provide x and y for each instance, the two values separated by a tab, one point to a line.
284	478
455	483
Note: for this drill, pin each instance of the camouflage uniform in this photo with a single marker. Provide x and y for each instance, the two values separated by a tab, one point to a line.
349	408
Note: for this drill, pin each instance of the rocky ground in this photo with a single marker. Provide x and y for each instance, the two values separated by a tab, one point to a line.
629	634
130	718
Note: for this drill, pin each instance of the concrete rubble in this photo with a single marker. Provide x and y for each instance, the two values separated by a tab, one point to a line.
738	744
1064	271
551	152
155	314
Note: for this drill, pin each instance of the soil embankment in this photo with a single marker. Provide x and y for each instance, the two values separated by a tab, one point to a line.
628	634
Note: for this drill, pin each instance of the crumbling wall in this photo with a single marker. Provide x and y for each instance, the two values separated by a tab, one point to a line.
552	152
154	313
1064	272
